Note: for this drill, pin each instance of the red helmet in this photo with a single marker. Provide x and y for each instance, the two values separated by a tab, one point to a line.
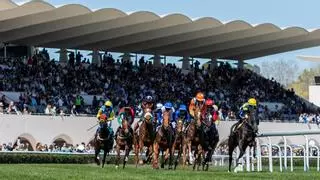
209	102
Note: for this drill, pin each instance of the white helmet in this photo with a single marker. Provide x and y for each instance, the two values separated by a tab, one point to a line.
159	106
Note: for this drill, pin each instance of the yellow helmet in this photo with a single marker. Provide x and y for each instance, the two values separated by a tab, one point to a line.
108	103
252	102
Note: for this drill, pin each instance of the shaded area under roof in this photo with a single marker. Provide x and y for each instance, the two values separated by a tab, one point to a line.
38	23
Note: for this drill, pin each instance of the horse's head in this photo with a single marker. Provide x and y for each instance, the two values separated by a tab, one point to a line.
148	117
179	125
166	119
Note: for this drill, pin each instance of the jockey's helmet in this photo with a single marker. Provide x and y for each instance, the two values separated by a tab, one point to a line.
148	99
183	107
252	102
209	102
108	103
168	105
159	106
200	96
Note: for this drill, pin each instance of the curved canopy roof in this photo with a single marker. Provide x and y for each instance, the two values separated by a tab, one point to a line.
74	26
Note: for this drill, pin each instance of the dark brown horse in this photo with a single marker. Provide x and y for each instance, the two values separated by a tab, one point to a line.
124	140
242	135
209	139
144	138
163	142
103	141
192	137
178	141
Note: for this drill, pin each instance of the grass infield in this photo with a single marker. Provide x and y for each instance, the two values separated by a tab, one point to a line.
91	171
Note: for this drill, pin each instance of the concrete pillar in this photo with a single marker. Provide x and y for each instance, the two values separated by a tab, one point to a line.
156	61
63	55
185	63
240	64
214	63
31	51
5	50
126	57
95	57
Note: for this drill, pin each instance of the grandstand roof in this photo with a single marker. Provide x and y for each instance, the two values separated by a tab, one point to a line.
74	26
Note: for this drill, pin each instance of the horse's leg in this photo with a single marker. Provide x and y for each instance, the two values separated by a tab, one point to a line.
96	154
104	156
232	146
242	146
136	151
191	159
184	153
118	155
163	158
141	145
155	155
150	153
180	150
199	157
126	155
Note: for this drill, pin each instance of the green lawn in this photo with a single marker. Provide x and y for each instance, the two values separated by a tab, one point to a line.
62	171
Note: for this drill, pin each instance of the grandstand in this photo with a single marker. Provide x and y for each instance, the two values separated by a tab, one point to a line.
35	84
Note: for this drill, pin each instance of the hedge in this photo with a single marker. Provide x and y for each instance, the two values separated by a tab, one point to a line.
48	158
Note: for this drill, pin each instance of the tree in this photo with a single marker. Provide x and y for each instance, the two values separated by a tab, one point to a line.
283	71
305	79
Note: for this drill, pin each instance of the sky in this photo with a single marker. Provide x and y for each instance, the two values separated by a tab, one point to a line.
283	13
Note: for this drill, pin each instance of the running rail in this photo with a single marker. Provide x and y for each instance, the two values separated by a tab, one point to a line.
292	133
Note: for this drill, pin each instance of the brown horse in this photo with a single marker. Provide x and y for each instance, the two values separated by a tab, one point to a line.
178	141
163	142
124	140
103	141
192	137
144	137
209	139
242	135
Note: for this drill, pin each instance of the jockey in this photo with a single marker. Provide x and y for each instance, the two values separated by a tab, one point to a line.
106	110
246	108
196	102
210	110
158	112
125	112
147	102
183	115
168	107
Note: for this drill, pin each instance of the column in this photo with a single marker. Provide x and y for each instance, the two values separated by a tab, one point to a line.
214	63
31	51
156	61
185	63
63	55
95	57
5	50
240	64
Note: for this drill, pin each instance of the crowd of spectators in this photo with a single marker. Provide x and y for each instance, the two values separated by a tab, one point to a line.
51	87
57	147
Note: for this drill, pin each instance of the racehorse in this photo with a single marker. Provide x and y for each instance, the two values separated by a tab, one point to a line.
163	142
103	141
124	140
178	141
144	137
209	139
242	135
191	137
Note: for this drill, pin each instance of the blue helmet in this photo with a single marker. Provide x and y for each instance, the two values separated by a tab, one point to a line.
168	105
183	107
